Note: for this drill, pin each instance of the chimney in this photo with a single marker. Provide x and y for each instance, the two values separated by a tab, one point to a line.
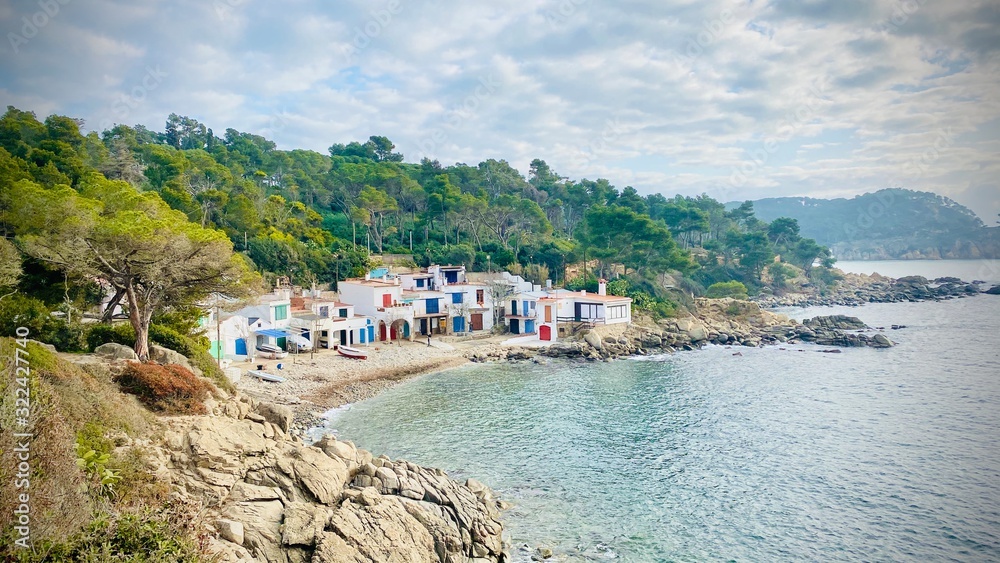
602	286
368	276
548	284
536	287
583	292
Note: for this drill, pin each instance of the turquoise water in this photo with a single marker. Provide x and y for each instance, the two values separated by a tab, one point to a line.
775	455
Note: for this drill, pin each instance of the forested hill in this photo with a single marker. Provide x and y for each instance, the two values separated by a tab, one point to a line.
888	224
306	217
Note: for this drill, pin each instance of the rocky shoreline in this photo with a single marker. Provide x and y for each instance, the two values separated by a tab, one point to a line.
859	289
266	496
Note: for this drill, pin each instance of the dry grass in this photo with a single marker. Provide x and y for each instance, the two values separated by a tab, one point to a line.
168	389
70	403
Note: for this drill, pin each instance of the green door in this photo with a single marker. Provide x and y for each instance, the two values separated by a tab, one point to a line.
216	349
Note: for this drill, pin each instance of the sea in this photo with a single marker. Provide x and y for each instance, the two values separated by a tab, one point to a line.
781	453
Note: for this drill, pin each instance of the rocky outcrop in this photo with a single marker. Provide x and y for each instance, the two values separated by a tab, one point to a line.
726	321
269	497
995	290
165	356
114	351
855	289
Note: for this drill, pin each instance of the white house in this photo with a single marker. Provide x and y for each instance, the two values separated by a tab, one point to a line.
327	323
521	312
269	320
469	307
430	316
228	335
382	300
561	311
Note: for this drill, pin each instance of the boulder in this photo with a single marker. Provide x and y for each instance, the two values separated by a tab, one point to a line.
591	338
278	415
838	322
261	527
880	341
320	474
162	355
390	533
303	523
114	351
230	530
995	290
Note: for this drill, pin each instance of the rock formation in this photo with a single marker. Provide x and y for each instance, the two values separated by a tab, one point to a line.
273	498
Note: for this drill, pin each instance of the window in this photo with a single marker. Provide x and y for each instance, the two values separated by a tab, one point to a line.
343	313
324	312
618	312
280	312
451	276
457	297
586	311
432	306
480	296
420	282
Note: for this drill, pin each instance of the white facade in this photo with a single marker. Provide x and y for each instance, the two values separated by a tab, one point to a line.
383	302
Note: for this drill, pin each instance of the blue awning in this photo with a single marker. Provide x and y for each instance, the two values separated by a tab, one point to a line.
273	333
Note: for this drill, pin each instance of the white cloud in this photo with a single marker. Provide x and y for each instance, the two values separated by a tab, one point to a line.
820	98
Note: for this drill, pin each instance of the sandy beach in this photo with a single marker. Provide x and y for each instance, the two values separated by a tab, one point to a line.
319	381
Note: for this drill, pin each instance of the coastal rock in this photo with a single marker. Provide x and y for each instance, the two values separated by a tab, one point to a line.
278	415
281	501
837	322
995	290
162	355
114	351
591	338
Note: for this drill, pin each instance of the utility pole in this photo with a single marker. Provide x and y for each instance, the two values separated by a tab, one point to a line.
218	334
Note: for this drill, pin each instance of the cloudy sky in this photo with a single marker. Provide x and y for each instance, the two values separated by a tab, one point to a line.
738	99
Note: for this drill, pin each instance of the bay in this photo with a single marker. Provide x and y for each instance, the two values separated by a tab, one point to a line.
772	455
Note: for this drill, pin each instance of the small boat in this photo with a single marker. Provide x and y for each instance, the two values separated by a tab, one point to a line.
264	376
352	353
271	352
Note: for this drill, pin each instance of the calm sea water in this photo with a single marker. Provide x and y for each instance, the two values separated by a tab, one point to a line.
774	455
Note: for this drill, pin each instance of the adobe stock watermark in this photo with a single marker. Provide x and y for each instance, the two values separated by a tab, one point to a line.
22	440
372	29
610	134
33	24
792	122
565	10
122	107
488	85
711	31
901	13
224	8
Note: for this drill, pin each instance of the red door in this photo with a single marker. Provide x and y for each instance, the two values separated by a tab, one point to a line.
545	332
392	333
381	331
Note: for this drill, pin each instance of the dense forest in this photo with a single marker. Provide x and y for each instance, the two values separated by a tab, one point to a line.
892	223
319	218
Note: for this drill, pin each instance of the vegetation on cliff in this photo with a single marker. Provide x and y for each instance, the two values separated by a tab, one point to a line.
888	224
159	220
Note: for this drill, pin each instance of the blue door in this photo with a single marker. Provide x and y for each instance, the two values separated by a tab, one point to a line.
514	327
459	324
371	334
529	326
241	347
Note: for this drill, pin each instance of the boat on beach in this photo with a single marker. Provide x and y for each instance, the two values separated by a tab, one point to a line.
264	376
271	352
352	353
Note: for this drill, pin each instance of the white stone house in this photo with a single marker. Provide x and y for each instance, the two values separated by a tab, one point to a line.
382	300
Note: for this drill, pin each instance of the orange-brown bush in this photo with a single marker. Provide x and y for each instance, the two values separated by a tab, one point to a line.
169	389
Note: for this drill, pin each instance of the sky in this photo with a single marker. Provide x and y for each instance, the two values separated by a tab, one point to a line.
736	99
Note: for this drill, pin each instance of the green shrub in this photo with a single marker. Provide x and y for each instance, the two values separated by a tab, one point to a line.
129	537
169	389
120	333
732	289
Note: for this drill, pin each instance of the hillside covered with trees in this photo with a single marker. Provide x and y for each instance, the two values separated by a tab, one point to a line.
888	224
85	215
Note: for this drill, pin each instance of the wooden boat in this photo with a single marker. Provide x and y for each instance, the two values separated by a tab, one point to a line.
264	376
352	353
271	352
